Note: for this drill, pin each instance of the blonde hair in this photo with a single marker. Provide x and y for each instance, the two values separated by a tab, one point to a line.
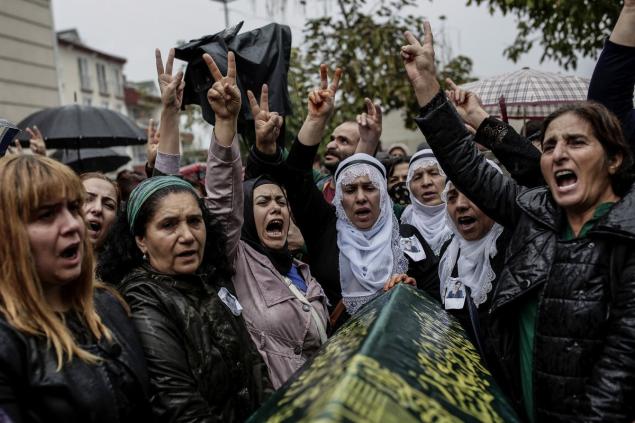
27	183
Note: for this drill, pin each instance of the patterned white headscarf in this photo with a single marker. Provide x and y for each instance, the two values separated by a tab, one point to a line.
429	220
474	267
367	258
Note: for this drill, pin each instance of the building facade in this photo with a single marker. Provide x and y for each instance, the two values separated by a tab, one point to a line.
28	74
88	76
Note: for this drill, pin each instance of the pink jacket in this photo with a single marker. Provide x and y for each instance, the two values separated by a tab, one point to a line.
280	325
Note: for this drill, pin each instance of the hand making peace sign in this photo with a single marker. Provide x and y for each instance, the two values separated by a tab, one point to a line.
171	86
418	60
369	125
322	100
224	95
267	124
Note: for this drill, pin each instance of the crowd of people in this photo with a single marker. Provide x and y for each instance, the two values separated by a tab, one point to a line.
158	298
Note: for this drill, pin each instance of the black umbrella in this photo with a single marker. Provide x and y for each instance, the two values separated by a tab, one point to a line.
76	126
91	159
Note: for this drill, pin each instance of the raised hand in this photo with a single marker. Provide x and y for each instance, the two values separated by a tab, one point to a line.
16	149
267	124
397	279
224	95
152	146
322	100
418	58
369	125
36	142
467	104
171	86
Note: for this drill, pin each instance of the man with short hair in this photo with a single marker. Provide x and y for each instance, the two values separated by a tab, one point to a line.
342	144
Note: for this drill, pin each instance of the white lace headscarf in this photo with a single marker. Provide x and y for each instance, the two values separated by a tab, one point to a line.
367	258
429	220
474	267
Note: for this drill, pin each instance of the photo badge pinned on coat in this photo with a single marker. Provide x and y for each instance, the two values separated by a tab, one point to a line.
454	297
230	301
413	248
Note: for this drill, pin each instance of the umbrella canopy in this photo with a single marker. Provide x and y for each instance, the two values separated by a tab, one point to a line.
529	94
76	126
401	358
91	159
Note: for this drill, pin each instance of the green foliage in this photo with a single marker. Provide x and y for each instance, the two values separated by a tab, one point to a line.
365	44
564	28
458	69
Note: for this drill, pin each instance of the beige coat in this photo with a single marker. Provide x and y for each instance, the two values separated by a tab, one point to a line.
281	326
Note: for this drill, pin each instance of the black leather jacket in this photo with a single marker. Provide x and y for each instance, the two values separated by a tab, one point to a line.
203	366
584	346
114	390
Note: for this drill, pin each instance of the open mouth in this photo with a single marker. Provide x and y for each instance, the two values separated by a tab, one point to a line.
71	252
187	254
565	178
94	226
362	213
274	228
330	156
466	222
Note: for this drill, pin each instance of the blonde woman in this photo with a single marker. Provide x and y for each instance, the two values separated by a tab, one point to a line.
68	350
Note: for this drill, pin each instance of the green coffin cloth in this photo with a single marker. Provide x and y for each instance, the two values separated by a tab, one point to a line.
400	359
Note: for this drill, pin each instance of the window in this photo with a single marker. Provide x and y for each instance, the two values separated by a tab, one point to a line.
105	104
88	101
101	78
84	74
117	82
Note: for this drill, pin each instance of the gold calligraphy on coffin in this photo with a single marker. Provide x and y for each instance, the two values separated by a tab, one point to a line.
401	359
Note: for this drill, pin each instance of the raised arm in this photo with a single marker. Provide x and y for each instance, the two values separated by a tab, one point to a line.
167	152
515	152
369	124
452	144
267	124
223	180
624	31
307	202
613	79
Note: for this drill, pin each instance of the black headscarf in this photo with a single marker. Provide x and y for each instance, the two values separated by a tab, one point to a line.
281	259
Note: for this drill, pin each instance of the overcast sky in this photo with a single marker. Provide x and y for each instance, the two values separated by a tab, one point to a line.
133	28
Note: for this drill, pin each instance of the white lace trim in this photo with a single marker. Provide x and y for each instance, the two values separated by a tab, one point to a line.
373	274
353	304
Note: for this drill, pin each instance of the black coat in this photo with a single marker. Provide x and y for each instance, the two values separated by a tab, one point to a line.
114	390
584	346
515	152
203	366
475	320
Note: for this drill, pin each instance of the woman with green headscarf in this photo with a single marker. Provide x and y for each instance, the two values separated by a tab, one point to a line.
201	361
167	256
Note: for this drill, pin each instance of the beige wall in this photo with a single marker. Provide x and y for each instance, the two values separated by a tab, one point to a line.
28	77
394	131
70	84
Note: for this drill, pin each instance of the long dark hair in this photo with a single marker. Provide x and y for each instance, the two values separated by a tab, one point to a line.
607	129
120	253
